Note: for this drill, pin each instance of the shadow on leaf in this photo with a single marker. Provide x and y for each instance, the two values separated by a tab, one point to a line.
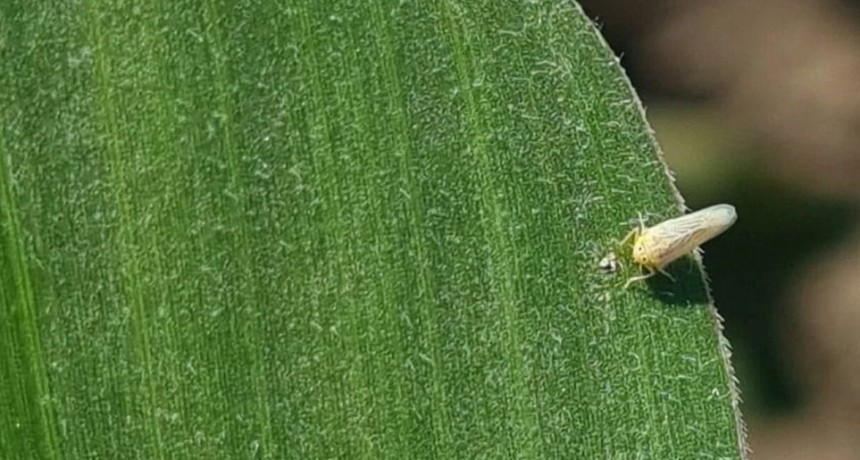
687	290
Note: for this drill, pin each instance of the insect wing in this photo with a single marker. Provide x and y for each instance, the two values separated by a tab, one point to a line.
675	237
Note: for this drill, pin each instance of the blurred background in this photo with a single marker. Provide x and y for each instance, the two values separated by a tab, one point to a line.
757	103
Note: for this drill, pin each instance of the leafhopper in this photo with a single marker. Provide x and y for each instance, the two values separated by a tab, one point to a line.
657	246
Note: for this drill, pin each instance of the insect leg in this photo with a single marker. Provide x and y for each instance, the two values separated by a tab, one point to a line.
631	236
651	272
641	223
660	269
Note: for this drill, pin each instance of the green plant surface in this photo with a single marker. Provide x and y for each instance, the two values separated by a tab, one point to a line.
345	229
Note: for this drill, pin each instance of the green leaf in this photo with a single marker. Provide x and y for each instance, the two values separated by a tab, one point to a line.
341	229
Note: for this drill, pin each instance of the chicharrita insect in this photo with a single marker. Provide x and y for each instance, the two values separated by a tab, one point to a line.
657	246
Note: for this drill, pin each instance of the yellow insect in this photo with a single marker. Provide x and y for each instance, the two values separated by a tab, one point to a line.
657	246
